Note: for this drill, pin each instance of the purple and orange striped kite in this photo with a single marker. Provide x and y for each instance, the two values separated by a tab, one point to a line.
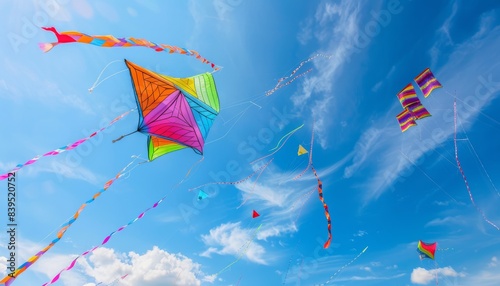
427	82
406	120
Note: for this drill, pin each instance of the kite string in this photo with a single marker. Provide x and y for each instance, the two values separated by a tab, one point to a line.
63	149
7	280
479	160
189	171
302	206
255	183
462	171
234	182
290	262
105	240
95	84
428	177
343	267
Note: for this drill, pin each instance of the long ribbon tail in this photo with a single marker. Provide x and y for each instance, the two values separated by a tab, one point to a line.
279	84
325	206
462	171
289	133
7	280
105	240
63	149
277	148
342	268
234	182
109	41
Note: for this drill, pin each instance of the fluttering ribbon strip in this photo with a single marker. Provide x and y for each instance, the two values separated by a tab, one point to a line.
105	240
280	83
462	171
63	149
7	280
109	41
325	206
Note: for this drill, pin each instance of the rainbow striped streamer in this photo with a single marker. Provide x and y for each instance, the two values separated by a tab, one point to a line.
407	96
63	149
7	280
406	120
427	82
105	240
109	41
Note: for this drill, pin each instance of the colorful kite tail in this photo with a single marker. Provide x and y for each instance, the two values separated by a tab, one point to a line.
325	206
105	240
45	47
62	149
7	280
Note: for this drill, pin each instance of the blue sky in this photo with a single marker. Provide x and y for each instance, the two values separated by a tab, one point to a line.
385	189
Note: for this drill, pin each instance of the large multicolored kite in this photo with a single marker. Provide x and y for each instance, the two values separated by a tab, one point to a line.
175	113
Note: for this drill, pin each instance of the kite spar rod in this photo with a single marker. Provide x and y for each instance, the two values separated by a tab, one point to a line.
123	136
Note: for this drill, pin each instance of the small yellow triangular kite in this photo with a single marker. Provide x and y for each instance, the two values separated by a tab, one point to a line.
301	151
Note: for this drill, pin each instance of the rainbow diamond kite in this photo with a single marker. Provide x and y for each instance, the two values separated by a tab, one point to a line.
175	113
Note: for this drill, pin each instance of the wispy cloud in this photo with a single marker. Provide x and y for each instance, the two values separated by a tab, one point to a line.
343	17
446	221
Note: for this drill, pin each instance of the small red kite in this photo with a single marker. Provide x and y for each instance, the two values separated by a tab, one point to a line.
255	214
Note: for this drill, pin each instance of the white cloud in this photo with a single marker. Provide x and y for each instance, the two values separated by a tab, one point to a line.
154	268
3	265
232	239
423	276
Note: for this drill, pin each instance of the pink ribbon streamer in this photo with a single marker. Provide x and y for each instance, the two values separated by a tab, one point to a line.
62	149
